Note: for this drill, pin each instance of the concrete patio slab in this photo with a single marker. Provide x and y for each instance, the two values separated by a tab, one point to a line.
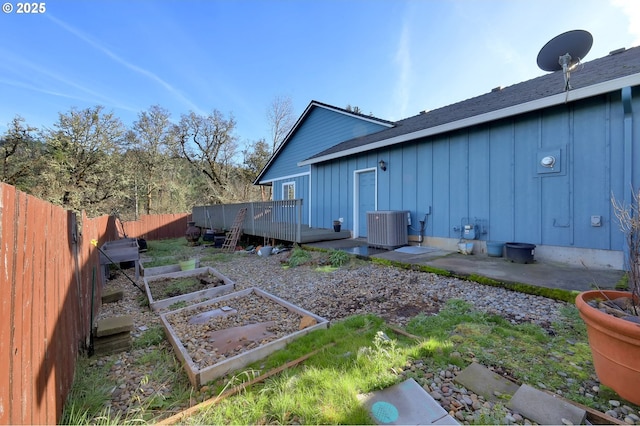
540	273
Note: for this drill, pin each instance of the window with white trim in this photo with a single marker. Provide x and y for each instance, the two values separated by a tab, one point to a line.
289	191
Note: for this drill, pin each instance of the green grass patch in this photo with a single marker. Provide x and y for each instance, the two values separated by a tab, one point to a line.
167	252
361	354
327	268
89	394
167	247
178	305
165	287
151	337
215	255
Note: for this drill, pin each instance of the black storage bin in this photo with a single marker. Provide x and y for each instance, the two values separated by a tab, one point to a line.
520	252
218	241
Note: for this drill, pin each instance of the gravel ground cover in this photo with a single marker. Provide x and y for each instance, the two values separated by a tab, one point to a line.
394	294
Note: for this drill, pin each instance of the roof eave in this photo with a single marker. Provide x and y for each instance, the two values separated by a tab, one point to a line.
258	180
546	102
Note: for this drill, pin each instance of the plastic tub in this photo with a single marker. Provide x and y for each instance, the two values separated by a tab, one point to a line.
265	251
495	248
520	252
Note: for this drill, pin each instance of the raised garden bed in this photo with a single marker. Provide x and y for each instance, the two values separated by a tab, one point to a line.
158	270
218	336
184	286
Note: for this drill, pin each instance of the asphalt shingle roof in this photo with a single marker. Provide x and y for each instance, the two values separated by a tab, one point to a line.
618	64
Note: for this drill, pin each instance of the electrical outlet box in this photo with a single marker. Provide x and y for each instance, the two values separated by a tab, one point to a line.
596	220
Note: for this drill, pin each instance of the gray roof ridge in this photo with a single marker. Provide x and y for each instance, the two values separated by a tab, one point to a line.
618	63
358	114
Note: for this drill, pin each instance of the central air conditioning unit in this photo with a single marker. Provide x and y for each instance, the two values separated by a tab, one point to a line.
387	228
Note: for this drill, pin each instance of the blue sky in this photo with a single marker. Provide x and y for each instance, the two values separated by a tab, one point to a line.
392	58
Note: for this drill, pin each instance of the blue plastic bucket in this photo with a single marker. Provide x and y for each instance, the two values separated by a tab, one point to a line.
494	248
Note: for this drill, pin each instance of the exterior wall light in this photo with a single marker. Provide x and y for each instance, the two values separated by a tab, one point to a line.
383	165
549	161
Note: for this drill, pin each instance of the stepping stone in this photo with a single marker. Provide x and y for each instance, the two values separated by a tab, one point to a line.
112	295
404	404
544	409
481	380
112	344
114	325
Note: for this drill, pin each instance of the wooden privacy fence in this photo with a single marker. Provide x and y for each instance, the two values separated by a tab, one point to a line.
49	275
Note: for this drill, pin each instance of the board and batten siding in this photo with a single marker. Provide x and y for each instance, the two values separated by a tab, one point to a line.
301	184
321	129
491	174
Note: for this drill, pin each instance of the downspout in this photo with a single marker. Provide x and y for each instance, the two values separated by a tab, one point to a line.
628	157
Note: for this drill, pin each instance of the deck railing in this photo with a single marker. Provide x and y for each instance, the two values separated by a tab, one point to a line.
280	220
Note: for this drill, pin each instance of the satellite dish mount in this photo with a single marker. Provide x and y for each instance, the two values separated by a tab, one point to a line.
564	52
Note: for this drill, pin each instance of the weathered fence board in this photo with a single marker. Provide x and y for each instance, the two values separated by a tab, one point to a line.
47	265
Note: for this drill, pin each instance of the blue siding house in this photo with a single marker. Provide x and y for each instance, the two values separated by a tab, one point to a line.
321	126
529	163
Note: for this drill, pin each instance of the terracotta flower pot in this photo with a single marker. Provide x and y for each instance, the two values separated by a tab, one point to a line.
615	345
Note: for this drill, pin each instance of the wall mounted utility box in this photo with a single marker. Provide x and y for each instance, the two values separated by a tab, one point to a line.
469	232
387	228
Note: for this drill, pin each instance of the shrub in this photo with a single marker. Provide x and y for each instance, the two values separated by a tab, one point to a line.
338	258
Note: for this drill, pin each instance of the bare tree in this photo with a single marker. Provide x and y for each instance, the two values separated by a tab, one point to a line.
208	143
354	109
281	119
256	156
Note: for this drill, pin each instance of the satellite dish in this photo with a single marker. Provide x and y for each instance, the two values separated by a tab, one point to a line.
563	52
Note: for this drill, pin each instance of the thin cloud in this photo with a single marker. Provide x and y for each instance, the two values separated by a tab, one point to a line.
126	63
631	8
403	59
46	73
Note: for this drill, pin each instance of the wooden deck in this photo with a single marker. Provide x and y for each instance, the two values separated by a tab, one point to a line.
278	220
312	235
302	234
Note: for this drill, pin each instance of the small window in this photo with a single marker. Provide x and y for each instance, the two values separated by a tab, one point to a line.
289	191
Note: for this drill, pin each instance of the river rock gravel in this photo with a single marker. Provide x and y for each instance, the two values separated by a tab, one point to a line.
395	294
